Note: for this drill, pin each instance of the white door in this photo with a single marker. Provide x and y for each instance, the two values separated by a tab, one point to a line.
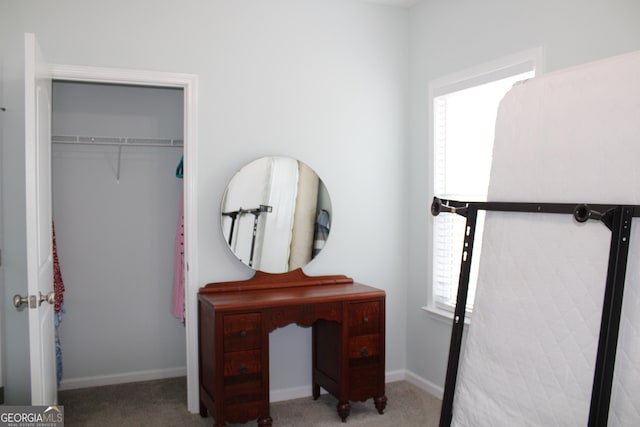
37	82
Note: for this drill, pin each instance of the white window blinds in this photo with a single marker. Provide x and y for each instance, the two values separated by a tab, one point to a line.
463	125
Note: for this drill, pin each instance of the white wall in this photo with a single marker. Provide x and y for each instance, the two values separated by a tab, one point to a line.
324	81
447	37
115	238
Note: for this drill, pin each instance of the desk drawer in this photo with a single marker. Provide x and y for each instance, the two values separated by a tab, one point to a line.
242	332
365	381
364	318
364	346
242	363
244	399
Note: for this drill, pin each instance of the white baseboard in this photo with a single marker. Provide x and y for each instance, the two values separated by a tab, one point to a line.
291	393
305	390
393	376
424	384
128	377
275	395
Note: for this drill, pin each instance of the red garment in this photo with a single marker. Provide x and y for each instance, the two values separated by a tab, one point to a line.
58	284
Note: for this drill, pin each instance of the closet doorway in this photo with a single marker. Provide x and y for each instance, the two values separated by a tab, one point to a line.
118	139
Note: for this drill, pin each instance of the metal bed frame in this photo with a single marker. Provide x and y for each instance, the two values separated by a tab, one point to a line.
239	213
618	219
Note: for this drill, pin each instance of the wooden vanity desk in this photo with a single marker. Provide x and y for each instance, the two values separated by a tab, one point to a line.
235	318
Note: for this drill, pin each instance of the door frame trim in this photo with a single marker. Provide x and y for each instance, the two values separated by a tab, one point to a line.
189	84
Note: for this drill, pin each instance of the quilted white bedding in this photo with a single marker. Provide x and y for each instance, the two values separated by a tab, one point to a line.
529	354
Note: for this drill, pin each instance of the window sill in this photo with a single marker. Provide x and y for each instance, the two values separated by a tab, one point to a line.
443	316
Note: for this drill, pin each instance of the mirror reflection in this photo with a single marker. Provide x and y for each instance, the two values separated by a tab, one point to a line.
276	214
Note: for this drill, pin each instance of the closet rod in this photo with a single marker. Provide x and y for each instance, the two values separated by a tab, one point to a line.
121	142
117	142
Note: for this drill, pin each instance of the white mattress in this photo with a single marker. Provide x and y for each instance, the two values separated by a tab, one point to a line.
529	354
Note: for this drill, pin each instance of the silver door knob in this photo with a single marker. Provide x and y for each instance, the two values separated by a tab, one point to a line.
19	301
50	298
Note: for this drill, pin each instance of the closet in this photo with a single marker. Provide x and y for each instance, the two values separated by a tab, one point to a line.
116	205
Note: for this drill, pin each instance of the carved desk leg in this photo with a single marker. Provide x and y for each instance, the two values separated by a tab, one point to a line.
265	421
381	403
344	409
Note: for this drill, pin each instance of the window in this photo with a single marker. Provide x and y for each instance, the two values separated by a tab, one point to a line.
464	109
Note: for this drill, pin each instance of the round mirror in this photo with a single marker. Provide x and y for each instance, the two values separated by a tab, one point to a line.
276	214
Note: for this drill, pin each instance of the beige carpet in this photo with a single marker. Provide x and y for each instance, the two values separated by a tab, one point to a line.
163	403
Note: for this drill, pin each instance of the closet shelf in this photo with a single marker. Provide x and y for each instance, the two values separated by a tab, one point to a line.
118	142
121	142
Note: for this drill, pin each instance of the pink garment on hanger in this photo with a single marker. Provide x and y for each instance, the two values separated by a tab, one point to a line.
177	302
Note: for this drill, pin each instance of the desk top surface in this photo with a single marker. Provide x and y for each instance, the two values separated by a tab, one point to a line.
278	297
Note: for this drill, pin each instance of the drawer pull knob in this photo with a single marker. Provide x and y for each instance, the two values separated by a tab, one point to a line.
243	333
364	352
365	320
243	369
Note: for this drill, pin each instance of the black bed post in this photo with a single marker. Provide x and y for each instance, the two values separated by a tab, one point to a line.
620	220
459	314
